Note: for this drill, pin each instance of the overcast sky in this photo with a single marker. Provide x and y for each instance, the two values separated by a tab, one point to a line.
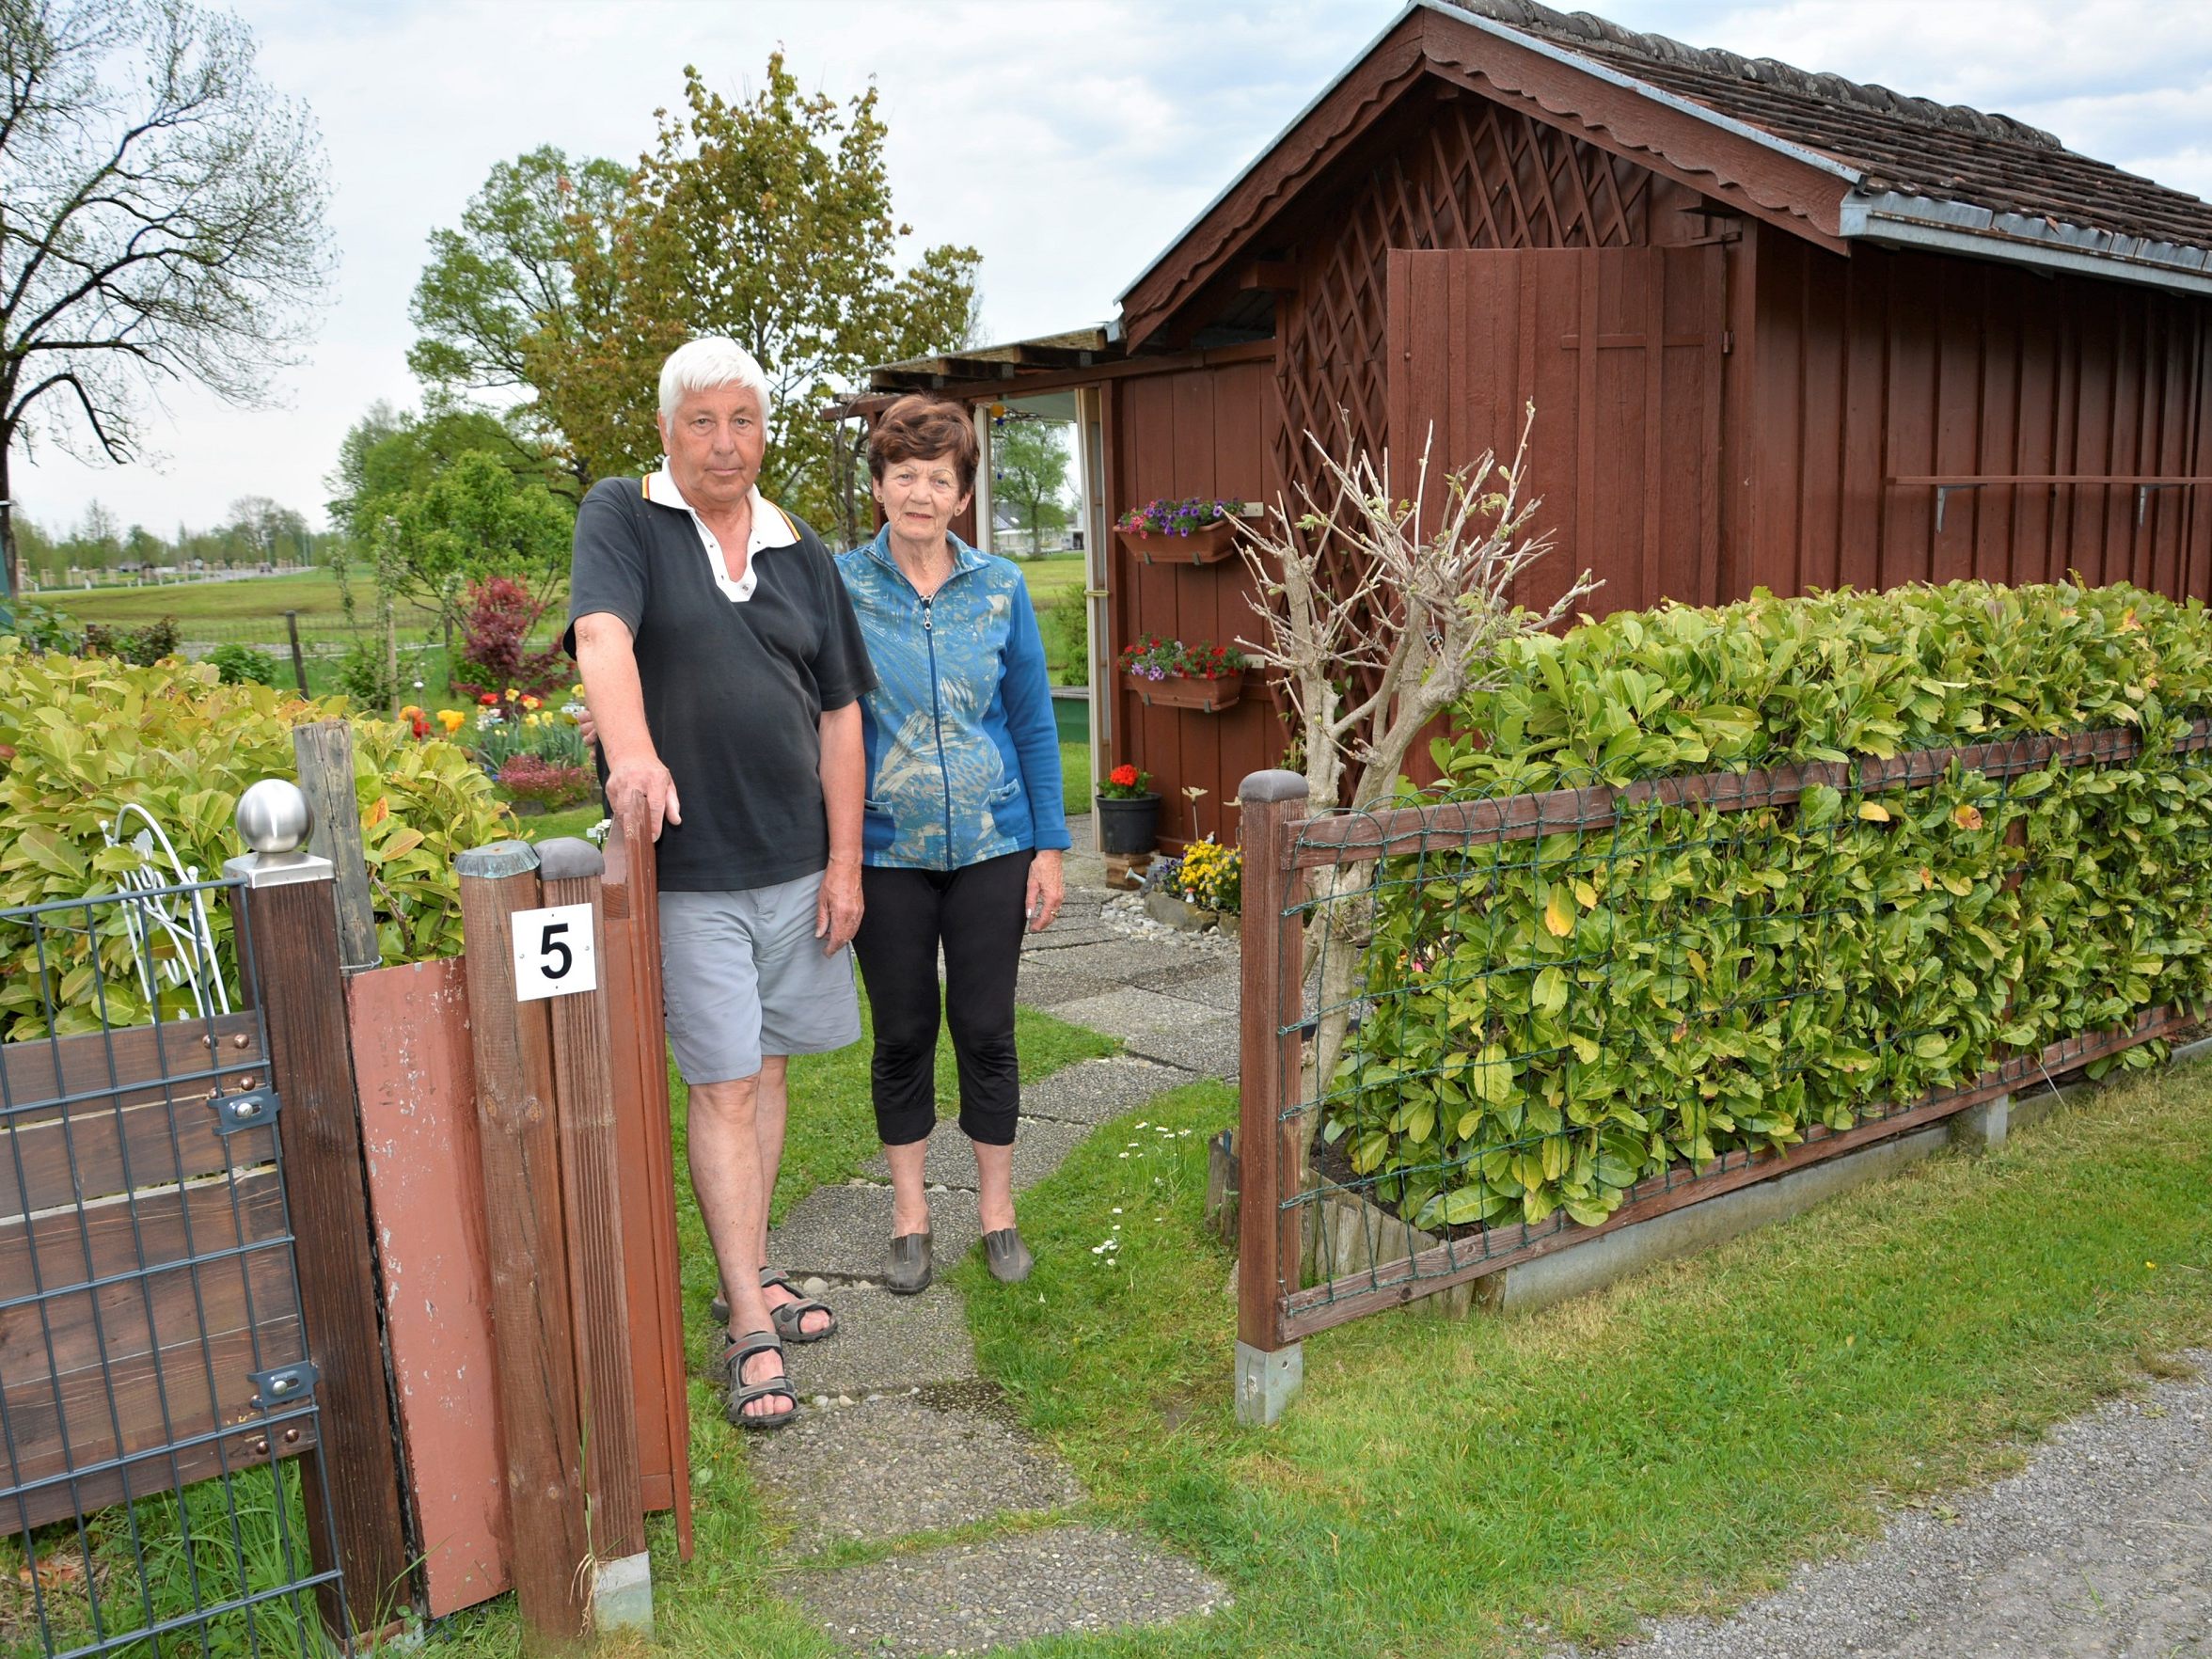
1070	141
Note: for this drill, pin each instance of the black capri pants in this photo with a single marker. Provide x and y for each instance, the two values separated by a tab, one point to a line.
977	914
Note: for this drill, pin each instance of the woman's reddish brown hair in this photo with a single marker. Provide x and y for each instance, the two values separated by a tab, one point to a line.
917	428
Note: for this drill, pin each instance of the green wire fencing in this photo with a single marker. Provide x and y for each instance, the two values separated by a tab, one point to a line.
1481	1029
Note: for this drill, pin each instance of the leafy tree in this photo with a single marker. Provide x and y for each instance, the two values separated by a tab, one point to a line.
390	451
162	220
504	277
475	520
768	220
1029	472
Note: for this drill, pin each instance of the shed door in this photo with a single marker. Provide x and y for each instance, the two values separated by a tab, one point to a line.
1619	351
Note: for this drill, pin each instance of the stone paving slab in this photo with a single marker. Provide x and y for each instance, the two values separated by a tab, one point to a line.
1093	1091
883	1468
1040	1145
1218	986
1143	1016
884	1342
1068	933
974	1597
844	1232
1050	978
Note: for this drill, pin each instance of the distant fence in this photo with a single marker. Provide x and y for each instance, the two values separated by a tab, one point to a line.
1535	1018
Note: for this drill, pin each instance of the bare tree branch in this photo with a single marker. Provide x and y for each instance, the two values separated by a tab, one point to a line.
1426	601
161	217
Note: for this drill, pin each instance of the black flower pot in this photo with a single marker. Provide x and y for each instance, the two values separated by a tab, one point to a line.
1128	826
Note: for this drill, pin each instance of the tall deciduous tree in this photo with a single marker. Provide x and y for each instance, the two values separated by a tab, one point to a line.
161	219
1029	473
506	276
768	220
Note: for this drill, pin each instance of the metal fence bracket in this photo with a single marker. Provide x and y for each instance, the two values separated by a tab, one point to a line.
250	1110
283	1385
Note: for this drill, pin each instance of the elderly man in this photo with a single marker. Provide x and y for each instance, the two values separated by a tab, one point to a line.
724	668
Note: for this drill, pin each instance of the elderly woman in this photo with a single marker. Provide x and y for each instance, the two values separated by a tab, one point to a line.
964	824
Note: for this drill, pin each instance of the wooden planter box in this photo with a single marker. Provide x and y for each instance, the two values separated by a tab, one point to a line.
1206	695
1211	545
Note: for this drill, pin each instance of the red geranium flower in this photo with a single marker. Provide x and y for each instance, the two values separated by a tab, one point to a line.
1125	775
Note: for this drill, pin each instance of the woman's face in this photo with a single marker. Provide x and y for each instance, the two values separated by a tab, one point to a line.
921	498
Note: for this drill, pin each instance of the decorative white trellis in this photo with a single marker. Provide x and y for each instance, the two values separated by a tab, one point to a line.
177	918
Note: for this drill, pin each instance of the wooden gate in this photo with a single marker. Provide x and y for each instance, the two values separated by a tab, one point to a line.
1620	350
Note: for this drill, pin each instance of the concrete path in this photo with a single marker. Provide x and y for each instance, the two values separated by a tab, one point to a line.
901	1443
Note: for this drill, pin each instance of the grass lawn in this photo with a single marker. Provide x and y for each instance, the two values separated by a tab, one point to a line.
1677	1442
311	592
1489	1486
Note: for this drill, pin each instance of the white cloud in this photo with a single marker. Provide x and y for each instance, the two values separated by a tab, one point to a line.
1067	139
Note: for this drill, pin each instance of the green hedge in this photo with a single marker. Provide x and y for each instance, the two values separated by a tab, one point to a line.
1554	1019
82	736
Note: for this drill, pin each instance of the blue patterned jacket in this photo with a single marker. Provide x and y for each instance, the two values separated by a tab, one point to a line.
963	752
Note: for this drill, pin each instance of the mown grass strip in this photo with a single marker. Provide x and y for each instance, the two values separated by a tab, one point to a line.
1675	1444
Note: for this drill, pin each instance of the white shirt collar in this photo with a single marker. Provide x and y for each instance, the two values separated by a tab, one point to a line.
772	528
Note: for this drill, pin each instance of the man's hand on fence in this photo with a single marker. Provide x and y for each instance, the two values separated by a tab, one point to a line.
643	794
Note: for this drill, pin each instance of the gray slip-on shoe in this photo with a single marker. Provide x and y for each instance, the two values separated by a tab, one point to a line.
1008	1256
908	1270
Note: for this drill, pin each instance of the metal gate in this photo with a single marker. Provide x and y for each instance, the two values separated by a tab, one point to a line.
155	1386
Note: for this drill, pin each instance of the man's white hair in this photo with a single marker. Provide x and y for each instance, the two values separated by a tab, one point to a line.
703	365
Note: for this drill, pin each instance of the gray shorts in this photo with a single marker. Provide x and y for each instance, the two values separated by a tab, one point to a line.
742	976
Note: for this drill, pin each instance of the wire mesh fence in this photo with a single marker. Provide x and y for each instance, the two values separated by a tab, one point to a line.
1506	1022
155	1387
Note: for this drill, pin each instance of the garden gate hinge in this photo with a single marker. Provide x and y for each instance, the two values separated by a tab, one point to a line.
282	1386
250	1110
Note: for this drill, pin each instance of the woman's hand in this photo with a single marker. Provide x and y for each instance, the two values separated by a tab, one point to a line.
1047	888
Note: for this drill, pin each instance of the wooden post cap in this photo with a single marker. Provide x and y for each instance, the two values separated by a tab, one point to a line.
500	858
1271	785
568	858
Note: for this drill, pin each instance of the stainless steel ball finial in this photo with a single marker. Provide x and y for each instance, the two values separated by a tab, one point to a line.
274	816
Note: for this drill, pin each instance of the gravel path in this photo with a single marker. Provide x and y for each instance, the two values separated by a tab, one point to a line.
2101	1545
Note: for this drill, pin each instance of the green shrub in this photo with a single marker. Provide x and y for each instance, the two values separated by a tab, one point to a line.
41	628
240	665
365	677
1066	624
81	736
1554	1019
143	647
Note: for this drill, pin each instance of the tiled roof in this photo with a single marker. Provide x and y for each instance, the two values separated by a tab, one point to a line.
1909	147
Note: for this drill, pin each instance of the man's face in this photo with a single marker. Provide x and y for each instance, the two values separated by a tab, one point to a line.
715	441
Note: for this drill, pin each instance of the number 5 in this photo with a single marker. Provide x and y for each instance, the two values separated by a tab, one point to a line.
551	946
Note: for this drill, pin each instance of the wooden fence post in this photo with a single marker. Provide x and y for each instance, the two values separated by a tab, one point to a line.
324	751
532	1333
631	963
583	1086
299	661
1270	1129
292	973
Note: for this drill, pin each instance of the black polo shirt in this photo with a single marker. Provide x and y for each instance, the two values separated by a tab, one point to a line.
734	688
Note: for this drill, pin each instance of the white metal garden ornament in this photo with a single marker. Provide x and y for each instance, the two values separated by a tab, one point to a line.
155	916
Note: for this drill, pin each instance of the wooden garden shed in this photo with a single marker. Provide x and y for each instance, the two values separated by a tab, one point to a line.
1781	330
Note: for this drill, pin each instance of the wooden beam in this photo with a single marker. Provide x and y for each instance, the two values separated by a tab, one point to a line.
591	1186
1275	276
533	1335
292	973
324	753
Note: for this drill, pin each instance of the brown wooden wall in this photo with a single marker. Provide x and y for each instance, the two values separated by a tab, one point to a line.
1199	431
1889	364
